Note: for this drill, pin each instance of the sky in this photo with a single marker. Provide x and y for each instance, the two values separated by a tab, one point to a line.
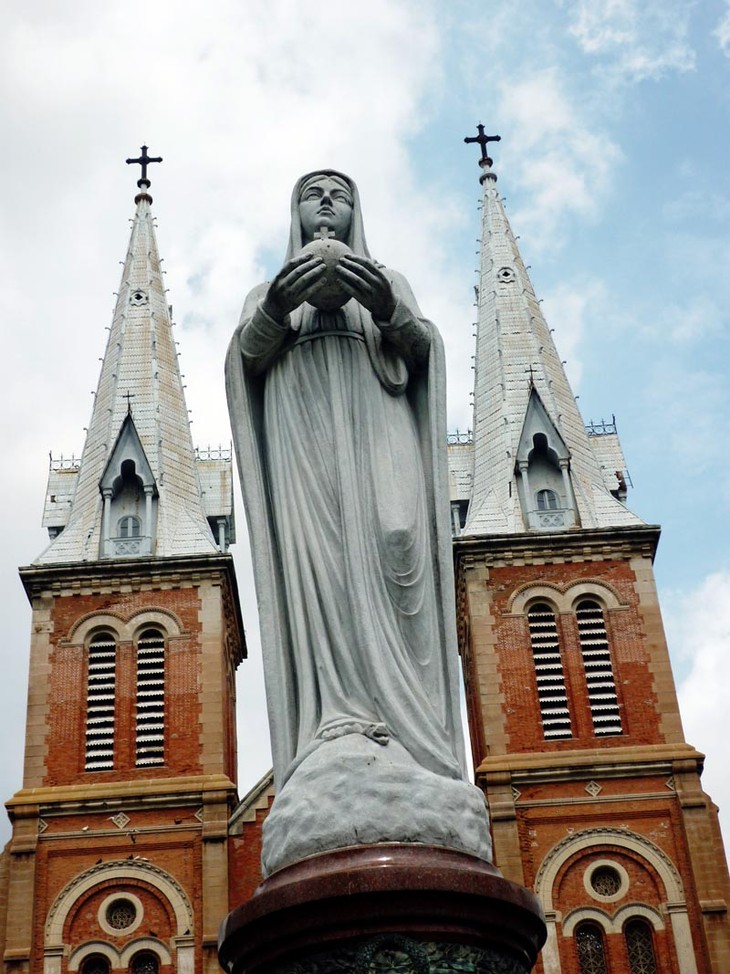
613	162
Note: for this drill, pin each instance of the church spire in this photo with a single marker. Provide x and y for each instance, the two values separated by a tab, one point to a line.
136	491
536	467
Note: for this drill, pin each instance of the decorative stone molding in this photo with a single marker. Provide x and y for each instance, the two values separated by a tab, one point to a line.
126	628
564	597
594	839
122	869
614	923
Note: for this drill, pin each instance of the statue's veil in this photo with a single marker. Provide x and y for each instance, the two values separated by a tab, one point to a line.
356	237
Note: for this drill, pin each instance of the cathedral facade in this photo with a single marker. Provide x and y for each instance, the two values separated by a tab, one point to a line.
130	843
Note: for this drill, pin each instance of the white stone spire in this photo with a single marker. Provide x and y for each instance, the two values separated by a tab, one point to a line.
137	491
535	466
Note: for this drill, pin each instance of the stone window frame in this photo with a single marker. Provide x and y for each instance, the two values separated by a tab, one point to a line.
104	907
602	864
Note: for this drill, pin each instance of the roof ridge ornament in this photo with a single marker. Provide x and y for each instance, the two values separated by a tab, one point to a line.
483	140
143	182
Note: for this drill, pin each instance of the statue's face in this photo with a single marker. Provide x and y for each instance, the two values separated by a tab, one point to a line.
325	203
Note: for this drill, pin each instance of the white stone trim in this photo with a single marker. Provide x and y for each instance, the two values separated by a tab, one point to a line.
154	946
82	884
107	902
564	599
91	947
592	839
586	913
630	910
615	923
126	628
611	864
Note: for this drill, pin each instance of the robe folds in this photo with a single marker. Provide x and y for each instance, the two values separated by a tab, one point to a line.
339	427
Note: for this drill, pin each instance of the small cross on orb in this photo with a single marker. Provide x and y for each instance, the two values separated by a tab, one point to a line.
324	233
483	141
143	161
129	396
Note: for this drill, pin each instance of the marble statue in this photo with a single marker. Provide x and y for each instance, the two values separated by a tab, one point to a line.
336	393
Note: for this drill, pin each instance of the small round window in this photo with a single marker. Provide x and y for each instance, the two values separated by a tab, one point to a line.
605	881
121	914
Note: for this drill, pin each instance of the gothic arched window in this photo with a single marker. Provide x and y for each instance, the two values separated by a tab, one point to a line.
551	690
96	964
547	500
591	952
600	681
100	698
640	947
150	715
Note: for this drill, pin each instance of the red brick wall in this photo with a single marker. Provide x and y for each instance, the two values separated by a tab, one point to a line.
634	680
66	720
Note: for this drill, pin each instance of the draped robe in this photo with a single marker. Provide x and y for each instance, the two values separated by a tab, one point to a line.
340	435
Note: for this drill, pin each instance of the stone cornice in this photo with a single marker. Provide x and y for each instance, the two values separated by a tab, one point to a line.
92	577
564	546
619	762
70	799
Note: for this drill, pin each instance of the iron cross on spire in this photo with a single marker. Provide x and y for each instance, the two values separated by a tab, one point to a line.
129	396
483	141
143	160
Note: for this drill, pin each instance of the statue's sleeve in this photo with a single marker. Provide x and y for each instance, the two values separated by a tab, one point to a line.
261	336
407	331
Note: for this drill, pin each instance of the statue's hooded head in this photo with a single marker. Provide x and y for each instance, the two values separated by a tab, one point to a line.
355	237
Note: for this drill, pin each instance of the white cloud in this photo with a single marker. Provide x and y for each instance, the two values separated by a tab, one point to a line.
636	39
722	32
570	309
570	176
698	628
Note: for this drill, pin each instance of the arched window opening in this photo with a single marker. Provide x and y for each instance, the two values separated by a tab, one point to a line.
150	716
600	681
547	500
145	963
100	697
551	690
591	952
129	527
95	964
640	947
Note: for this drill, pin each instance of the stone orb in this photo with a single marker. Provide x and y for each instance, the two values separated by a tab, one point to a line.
331	295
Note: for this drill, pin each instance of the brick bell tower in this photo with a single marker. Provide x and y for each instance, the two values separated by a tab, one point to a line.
594	796
119	853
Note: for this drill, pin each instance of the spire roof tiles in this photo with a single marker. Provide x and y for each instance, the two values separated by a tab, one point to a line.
139	377
515	354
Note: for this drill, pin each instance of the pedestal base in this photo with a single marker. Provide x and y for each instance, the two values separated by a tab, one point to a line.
391	907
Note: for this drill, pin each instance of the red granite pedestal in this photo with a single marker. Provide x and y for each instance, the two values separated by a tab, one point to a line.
383	908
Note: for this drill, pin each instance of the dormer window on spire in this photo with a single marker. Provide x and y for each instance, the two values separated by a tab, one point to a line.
543	465
130	498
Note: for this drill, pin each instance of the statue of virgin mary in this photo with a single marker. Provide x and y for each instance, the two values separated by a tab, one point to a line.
339	423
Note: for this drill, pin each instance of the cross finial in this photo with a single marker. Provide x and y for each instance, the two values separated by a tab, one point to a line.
532	376
483	141
129	396
143	161
324	233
